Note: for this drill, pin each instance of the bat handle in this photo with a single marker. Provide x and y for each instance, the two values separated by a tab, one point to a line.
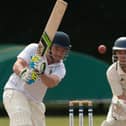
40	48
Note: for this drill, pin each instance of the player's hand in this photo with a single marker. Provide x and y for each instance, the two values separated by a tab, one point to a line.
119	110
37	64
29	75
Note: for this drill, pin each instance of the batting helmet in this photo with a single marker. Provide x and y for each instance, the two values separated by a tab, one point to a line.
120	44
62	39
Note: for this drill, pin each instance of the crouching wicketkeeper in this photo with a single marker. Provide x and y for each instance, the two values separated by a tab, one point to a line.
116	75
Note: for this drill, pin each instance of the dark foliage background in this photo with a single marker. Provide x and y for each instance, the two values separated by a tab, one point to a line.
89	23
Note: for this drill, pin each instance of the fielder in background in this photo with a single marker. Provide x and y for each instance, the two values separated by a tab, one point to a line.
33	75
116	75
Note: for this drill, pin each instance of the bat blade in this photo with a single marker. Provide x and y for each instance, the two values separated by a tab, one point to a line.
51	26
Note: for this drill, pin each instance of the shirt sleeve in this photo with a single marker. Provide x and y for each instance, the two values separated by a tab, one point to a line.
114	81
28	52
59	71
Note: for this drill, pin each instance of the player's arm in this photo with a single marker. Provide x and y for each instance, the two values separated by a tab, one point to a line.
114	81
122	97
21	69
19	65
50	80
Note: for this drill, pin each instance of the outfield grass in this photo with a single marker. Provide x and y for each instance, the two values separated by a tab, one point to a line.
60	121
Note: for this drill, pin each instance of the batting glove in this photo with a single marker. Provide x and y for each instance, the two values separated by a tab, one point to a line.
37	64
28	75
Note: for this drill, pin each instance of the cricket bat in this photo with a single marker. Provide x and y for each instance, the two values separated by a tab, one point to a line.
51	27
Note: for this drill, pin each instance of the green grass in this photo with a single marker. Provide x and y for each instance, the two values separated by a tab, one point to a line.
4	122
60	121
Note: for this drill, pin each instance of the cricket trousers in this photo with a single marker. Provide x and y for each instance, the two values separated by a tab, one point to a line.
21	111
110	121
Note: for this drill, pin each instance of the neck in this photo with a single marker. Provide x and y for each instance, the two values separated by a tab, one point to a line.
49	59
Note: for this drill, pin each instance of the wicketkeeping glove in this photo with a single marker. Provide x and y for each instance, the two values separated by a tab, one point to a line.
37	64
28	75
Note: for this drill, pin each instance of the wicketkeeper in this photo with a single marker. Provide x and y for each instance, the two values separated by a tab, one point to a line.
32	76
116	75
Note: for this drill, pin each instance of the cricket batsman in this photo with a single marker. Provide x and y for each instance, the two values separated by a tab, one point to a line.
116	75
32	76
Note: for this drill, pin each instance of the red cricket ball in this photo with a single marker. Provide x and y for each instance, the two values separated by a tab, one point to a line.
102	49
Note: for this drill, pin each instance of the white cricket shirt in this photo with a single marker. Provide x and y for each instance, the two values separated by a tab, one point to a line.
37	90
117	79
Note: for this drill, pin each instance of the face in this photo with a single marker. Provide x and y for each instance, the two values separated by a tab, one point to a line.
121	56
58	53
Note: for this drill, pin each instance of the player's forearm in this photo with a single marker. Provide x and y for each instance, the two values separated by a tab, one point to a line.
123	97
19	66
49	80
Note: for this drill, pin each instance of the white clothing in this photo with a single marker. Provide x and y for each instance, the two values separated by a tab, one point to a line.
37	90
117	80
114	123
21	111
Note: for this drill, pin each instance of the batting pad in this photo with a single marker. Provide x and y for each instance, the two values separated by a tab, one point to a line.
20	119
105	123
